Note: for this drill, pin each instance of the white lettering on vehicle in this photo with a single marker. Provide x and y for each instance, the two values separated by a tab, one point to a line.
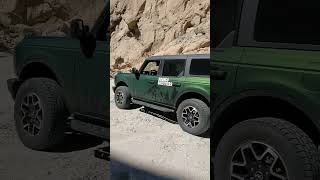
163	81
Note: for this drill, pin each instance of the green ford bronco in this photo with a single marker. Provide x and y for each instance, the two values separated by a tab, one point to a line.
178	84
61	84
265	73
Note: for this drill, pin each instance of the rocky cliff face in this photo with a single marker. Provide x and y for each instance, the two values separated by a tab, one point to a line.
42	17
141	28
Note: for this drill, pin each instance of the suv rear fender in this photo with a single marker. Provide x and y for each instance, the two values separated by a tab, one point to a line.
198	93
246	105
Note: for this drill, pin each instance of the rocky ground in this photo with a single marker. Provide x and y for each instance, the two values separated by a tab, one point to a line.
73	161
153	148
19	18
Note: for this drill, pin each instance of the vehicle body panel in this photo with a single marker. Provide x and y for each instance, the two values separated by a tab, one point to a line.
27	53
281	70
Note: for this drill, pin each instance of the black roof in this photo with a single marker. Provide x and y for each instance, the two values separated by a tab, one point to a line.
175	57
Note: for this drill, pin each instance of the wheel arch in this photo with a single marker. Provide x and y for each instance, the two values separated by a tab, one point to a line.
33	69
39	69
257	104
189	95
121	83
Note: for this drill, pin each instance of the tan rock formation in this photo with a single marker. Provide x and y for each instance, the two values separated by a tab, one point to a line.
141	28
42	17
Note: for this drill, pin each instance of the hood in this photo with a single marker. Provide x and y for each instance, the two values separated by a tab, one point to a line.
58	42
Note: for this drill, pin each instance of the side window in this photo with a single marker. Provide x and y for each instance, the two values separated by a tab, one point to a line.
288	21
200	67
224	19
151	68
173	68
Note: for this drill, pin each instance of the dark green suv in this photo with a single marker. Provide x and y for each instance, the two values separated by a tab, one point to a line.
266	90
178	84
62	83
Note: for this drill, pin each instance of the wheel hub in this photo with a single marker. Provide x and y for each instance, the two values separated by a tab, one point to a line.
119	97
190	116
31	111
258	175
258	171
257	161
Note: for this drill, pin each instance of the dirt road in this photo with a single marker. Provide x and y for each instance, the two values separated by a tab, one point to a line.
73	161
155	146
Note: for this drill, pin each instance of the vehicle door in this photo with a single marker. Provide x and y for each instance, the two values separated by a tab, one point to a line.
277	44
170	82
92	75
226	55
198	75
145	83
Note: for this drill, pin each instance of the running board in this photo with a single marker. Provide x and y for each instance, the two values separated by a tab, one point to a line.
153	106
102	153
89	128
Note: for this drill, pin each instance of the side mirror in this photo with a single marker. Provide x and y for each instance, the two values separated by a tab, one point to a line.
77	28
134	71
87	39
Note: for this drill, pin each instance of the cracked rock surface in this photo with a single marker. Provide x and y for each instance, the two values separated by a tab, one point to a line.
141	28
42	18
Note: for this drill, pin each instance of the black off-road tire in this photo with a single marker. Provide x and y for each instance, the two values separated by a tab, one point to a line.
54	113
296	149
122	97
203	110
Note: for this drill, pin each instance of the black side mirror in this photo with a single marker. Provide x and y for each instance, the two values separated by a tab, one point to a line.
134	71
77	28
87	39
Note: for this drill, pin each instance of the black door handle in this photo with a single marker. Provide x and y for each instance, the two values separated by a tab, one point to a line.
176	84
218	75
218	50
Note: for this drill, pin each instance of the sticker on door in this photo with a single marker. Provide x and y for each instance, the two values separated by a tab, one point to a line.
163	81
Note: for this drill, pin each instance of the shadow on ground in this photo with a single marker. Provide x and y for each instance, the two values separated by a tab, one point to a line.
170	117
124	171
77	142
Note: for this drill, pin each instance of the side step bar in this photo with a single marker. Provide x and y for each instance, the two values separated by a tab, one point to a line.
102	153
153	106
91	129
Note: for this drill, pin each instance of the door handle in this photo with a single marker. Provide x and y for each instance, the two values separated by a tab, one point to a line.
218	75
151	82
219	50
176	84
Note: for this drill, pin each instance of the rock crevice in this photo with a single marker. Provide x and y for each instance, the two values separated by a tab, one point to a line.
141	28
